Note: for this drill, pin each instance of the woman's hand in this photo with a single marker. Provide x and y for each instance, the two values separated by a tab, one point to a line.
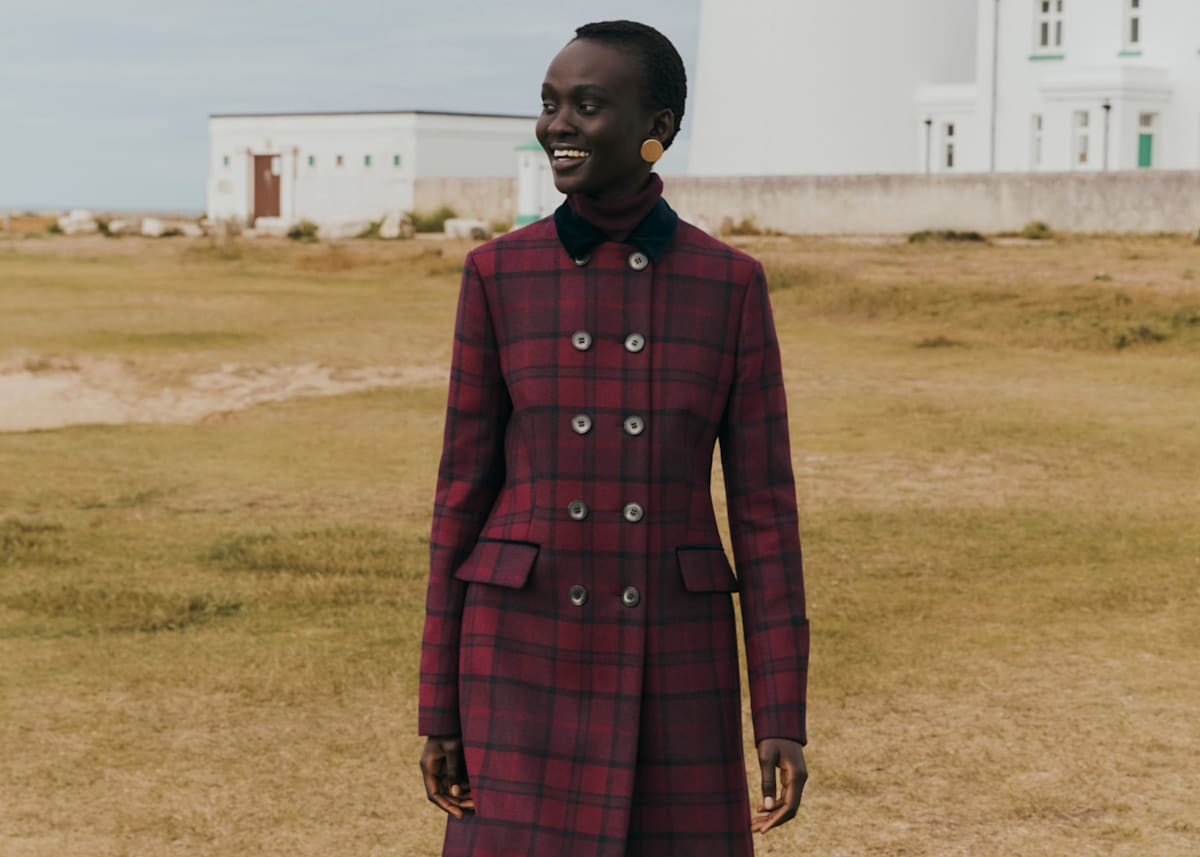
445	773
788	757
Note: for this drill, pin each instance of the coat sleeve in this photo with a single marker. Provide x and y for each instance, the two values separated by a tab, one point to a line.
761	497
469	478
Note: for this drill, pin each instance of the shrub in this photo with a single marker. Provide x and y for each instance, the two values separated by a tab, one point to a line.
1037	230
54	229
305	230
435	222
943	235
102	226
371	231
499	227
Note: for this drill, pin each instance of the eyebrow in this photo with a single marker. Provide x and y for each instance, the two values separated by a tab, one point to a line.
581	91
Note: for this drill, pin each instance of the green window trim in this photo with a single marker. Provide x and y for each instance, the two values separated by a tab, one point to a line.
366	160
1044	57
1130	53
312	160
395	160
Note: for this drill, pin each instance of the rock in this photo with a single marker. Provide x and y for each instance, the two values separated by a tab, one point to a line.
191	230
466	227
343	228
275	227
78	222
396	225
120	227
152	227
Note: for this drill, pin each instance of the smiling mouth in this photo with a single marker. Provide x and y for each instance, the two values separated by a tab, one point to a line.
569	156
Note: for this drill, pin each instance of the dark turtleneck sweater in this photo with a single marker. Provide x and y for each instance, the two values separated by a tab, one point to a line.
618	218
643	220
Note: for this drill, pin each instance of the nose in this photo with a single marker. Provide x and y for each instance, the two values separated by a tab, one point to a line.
559	125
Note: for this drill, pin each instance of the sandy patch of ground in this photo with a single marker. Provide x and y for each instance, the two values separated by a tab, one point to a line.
37	393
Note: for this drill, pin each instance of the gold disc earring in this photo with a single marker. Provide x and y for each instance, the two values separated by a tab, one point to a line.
652	150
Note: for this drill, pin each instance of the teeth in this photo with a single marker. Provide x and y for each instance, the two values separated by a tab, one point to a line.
570	153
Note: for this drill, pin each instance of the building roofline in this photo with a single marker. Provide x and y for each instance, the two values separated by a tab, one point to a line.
370	113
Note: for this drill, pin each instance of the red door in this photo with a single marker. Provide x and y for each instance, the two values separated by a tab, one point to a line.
266	185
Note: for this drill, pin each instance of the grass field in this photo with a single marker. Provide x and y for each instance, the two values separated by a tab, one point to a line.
209	630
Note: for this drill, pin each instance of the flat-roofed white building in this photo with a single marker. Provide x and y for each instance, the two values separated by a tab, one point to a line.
338	168
812	87
1086	85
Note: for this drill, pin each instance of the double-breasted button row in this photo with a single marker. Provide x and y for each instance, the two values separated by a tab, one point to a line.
582	341
633	425
631	512
637	260
578	595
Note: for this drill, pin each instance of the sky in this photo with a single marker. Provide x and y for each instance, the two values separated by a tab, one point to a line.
104	104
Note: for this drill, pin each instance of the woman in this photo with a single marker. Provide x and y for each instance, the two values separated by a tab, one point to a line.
579	676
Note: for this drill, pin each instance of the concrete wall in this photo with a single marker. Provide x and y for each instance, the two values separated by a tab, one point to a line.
487	198
1135	201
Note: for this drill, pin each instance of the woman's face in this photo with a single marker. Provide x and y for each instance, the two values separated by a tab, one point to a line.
594	120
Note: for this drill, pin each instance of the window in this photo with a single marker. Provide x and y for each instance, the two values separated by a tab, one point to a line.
1048	19
1037	125
395	160
948	145
340	160
1082	141
1133	24
225	161
312	160
366	160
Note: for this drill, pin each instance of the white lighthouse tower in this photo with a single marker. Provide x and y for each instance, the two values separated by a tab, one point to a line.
793	87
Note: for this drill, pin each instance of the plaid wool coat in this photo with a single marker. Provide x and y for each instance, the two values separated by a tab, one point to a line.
579	628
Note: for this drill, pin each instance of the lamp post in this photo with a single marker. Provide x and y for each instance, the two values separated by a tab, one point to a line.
928	141
1107	112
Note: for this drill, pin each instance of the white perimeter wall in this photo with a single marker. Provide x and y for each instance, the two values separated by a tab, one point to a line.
820	87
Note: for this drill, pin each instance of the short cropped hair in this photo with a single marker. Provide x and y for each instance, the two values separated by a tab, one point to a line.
663	75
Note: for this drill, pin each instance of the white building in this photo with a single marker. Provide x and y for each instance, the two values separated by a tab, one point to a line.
1077	85
813	87
345	168
875	86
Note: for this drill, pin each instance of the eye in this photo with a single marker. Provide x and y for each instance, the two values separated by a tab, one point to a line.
547	107
588	109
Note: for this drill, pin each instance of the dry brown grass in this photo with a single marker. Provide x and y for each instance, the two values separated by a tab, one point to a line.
208	632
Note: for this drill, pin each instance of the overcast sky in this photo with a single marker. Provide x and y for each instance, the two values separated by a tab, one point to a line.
104	103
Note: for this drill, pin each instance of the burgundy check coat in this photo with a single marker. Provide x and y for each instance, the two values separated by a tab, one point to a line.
579	629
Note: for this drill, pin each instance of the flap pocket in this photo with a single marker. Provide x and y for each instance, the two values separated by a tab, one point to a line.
499	563
705	569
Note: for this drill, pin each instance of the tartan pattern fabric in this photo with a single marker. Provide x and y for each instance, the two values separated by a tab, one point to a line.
611	725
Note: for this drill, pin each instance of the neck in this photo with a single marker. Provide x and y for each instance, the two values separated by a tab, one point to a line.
617	218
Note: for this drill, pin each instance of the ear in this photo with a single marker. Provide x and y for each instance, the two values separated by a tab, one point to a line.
662	126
